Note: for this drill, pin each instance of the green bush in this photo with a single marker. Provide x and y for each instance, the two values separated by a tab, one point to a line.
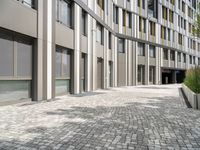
192	79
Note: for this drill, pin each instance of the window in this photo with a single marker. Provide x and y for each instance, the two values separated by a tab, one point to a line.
152	72
129	19
115	14
16	56
163	32
142	25
152	27
194	60
152	51
184	58
171	16
15	66
179	57
101	3
6	56
29	3
141	74
64	12
63	70
124	18
84	23
190	59
183	6
169	34
165	54
172	2
99	33
141	49
110	40
180	39
121	45
198	61
141	3
152	8
172	55
164	12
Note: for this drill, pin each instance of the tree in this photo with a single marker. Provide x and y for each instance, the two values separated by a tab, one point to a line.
196	25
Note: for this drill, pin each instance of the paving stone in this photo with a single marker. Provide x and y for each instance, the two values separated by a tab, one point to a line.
143	117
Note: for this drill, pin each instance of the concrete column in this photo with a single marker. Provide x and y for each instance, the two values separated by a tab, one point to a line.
176	59
77	52
129	63
147	65
136	62
120	20
105	64
158	58
126	65
38	56
169	60
48	47
115	61
89	56
94	57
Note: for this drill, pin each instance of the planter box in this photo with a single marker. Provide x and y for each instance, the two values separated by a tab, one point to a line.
193	98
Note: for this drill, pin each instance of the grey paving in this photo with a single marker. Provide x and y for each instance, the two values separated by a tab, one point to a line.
145	117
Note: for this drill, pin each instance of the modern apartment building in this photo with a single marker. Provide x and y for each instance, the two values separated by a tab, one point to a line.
55	47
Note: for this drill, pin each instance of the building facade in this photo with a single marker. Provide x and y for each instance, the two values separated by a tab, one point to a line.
55	47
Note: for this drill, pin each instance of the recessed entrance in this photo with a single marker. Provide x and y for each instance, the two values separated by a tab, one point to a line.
170	76
99	73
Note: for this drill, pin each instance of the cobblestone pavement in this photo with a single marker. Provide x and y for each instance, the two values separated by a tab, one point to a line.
145	117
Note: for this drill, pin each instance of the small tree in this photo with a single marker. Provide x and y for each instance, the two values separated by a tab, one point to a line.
196	25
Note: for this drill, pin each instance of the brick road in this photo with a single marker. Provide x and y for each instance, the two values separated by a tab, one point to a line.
145	117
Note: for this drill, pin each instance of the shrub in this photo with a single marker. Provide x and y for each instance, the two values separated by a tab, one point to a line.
192	79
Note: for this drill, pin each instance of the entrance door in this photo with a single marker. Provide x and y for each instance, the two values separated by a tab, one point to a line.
99	73
83	70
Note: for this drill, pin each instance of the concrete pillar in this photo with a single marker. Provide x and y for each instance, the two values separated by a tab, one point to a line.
89	56
77	52
94	57
47	46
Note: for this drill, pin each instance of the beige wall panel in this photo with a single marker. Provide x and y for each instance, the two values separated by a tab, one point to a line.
18	17
64	36
84	44
99	50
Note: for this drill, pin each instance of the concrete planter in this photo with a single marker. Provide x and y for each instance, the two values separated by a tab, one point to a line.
193	98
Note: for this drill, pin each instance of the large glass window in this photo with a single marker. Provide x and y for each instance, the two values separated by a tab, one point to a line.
15	67
172	55
152	8
63	70
115	14
152	51
24	59
121	45
64	12
141	49
165	54
179	57
141	74
152	73
84	23
99	33
6	56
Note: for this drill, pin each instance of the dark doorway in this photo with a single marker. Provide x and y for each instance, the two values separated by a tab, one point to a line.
110	74
180	76
166	77
99	73
170	76
83	72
